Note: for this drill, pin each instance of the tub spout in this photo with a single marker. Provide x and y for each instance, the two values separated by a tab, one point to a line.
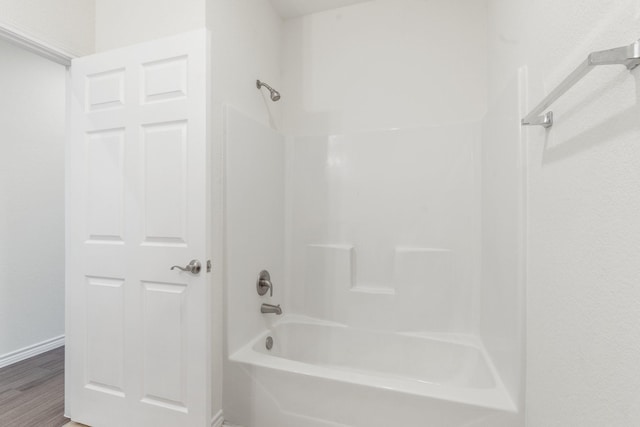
270	309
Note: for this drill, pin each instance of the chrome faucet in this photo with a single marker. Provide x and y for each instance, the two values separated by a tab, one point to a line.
270	309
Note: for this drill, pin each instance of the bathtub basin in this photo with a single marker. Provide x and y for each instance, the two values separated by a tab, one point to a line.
451	369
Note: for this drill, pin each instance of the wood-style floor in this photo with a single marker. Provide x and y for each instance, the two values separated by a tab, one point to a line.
32	392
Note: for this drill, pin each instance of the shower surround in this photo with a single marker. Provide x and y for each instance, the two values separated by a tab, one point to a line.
382	243
368	209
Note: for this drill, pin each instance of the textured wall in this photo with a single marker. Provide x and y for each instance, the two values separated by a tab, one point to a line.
32	130
584	321
583	342
65	24
125	22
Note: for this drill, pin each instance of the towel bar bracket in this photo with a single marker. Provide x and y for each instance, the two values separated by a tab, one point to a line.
545	120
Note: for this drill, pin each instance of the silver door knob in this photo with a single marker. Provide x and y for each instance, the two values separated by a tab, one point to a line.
193	267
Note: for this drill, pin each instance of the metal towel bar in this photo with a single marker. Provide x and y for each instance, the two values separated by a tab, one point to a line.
629	56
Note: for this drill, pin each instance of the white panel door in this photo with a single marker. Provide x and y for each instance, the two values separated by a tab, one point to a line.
138	332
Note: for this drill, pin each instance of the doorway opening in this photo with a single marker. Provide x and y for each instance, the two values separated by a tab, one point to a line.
32	237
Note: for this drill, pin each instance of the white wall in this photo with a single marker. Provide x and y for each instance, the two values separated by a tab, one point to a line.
293	8
385	64
583	322
245	46
124	22
68	25
246	39
32	130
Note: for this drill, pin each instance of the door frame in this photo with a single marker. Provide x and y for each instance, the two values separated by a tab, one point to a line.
27	41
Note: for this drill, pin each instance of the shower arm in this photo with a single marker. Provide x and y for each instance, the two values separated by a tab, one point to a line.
629	56
260	84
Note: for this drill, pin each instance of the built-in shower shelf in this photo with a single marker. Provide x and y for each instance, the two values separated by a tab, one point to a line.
373	290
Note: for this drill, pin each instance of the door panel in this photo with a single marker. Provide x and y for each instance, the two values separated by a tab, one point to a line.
164	147
105	186
138	332
105	338
165	344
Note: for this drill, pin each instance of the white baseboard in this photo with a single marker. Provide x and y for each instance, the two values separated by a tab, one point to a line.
30	351
217	420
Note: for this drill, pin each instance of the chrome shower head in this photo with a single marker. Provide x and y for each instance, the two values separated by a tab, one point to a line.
275	95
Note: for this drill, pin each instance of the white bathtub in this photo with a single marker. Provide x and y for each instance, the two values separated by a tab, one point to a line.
356	367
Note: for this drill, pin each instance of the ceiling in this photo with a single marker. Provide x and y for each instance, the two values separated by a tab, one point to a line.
294	8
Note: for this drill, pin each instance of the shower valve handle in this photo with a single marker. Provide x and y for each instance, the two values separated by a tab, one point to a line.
264	283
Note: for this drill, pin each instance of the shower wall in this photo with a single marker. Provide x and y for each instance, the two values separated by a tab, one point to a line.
385	228
383	115
255	221
503	195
